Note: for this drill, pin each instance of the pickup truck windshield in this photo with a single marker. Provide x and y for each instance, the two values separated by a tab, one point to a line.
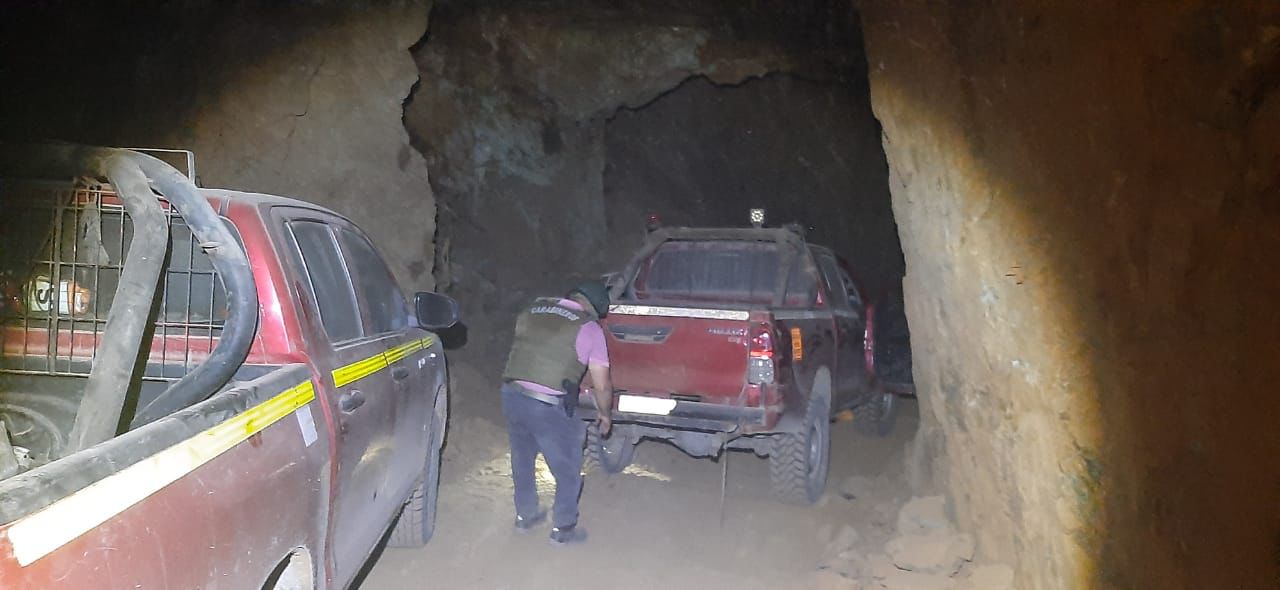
723	270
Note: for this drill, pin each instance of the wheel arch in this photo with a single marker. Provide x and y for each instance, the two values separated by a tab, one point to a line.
295	571
793	420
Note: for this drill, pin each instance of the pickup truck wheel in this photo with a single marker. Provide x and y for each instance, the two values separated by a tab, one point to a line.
417	521
612	455
799	461
878	416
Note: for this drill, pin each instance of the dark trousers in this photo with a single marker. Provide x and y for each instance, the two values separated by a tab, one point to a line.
534	427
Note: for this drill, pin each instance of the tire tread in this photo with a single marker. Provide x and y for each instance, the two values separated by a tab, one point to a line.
787	470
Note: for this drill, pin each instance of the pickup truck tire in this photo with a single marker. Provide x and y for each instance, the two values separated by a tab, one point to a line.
799	461
612	454
417	521
878	416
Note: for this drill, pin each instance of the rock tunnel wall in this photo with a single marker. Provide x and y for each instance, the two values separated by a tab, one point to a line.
1089	204
511	118
302	100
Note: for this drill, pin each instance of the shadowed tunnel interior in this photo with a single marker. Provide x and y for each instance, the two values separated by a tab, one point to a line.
1075	212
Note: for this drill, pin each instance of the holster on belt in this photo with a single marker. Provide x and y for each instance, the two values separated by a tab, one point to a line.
571	393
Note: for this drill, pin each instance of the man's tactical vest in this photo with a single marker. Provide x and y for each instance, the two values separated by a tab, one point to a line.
545	348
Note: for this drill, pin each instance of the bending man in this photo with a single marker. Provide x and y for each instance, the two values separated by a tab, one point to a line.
557	343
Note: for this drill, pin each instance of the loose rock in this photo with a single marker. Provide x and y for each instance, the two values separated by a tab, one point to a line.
881	565
939	551
902	580
988	577
856	486
829	580
846	538
882	514
922	515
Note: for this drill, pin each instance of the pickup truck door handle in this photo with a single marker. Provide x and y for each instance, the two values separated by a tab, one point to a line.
349	401
399	373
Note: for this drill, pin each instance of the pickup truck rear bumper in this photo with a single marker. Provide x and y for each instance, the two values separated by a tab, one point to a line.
689	415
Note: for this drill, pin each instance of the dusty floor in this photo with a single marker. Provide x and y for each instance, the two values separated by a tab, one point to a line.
655	526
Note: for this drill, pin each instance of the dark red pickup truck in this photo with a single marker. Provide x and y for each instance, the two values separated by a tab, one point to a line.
287	475
740	338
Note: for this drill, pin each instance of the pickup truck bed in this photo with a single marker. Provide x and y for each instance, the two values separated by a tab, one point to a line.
114	512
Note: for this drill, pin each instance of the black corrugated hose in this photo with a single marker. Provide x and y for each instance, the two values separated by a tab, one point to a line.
231	263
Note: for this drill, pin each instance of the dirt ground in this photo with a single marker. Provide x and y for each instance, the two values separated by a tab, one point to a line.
658	525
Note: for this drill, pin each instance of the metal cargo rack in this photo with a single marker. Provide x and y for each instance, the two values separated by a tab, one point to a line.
63	252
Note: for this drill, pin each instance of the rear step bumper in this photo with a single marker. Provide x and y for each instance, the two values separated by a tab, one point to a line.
688	415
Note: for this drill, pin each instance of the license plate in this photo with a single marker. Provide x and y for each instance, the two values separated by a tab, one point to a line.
645	405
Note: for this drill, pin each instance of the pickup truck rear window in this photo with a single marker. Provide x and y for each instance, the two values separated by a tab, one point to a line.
387	311
327	274
721	271
729	271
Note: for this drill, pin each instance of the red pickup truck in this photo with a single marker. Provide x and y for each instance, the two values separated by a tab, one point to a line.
745	338
287	473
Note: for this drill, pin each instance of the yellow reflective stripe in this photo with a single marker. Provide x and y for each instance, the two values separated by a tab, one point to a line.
41	533
403	351
359	370
363	368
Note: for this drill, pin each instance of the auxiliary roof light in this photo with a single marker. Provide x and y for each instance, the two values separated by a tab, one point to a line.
652	222
757	218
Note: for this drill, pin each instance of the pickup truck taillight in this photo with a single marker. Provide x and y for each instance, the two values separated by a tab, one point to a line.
760	366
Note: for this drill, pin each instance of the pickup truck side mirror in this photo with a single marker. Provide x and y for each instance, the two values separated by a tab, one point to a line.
435	311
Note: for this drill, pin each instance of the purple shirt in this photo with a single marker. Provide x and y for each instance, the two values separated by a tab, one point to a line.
590	345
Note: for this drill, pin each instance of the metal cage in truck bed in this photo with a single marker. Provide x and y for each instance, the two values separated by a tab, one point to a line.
64	250
65	245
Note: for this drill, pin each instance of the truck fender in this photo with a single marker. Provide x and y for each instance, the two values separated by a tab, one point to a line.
439	407
793	419
296	571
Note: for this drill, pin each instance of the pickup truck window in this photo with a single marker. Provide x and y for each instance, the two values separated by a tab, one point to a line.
802	286
851	288
831	276
724	270
327	274
386	311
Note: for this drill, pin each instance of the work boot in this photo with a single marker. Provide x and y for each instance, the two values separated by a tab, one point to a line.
526	524
562	535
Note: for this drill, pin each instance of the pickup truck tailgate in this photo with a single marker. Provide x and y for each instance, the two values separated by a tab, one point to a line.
664	351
